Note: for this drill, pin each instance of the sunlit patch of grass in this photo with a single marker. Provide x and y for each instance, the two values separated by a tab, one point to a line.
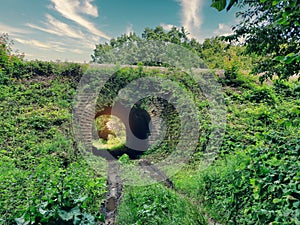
156	204
116	138
112	143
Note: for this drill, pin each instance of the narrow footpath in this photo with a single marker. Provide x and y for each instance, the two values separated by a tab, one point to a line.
115	190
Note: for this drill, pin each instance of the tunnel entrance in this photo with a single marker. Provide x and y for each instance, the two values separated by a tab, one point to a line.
111	132
117	135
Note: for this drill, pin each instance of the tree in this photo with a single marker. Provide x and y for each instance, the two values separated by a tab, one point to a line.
217	54
5	51
131	49
104	53
10	62
271	29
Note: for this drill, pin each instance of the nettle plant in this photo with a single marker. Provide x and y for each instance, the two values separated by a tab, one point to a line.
65	197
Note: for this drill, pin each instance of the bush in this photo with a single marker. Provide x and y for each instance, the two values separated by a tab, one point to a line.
283	88
261	185
260	95
4	79
62	196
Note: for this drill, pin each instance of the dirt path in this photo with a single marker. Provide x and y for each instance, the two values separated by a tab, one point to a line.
115	190
114	194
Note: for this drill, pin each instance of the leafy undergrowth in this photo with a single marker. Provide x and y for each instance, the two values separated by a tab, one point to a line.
43	179
256	177
155	204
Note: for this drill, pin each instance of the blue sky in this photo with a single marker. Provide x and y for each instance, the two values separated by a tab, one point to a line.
68	30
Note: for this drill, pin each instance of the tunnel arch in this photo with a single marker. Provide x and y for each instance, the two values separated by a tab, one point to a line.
137	129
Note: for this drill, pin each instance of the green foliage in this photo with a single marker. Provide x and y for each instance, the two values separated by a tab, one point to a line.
221	4
260	184
261	94
156	205
9	62
47	69
3	77
104	53
43	179
232	77
124	159
12	66
63	200
132	49
255	179
270	29
218	54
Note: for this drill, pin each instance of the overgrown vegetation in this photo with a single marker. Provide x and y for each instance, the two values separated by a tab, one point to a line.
254	179
43	179
270	29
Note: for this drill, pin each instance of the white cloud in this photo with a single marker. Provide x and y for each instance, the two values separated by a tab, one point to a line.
12	30
54	26
191	18
33	43
54	46
72	10
78	51
86	7
167	27
223	30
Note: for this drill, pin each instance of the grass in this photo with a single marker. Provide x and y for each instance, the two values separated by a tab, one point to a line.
117	136
156	204
113	143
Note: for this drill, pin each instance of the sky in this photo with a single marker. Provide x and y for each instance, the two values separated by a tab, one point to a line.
68	30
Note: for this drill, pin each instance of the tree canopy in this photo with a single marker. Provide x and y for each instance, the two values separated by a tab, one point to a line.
215	53
104	53
271	29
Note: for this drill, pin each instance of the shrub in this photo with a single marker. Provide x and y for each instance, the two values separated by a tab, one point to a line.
260	95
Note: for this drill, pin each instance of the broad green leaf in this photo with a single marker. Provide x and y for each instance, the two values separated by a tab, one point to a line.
102	218
89	218
64	215
42	211
80	199
296	204
275	2
75	211
282	21
22	220
289	60
276	200
290	54
219	4
279	58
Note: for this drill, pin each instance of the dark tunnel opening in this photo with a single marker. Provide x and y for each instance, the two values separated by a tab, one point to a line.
137	131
